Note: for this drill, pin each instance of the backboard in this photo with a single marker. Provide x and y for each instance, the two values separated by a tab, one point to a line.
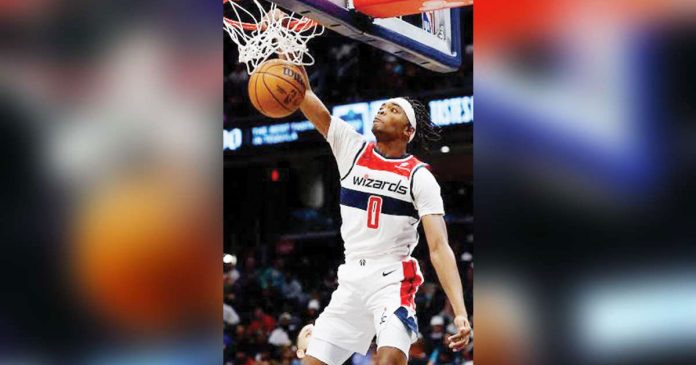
435	46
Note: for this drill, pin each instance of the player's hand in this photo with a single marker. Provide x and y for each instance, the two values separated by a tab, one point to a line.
458	341
272	16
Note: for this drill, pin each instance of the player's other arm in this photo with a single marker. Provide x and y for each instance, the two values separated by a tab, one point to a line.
445	264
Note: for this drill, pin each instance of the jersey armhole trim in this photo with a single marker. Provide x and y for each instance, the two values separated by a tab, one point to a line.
360	151
413	174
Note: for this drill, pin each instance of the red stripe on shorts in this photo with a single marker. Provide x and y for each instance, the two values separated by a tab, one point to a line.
409	286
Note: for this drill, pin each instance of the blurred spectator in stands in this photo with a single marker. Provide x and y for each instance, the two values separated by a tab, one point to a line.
229	348
261	322
250	272
292	289
231	274
240	342
330	282
239	75
261	347
229	316
437	331
447	314
286	356
242	358
312	312
442	355
272	277
429	301
280	335
417	354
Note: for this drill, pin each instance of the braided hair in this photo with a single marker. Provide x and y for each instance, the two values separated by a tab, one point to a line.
426	131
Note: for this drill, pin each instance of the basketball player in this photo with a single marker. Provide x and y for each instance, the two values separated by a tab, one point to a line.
385	194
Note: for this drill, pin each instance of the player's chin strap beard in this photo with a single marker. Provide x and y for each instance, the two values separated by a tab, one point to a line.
410	113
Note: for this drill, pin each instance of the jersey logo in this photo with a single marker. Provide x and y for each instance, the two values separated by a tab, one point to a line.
387	273
380	184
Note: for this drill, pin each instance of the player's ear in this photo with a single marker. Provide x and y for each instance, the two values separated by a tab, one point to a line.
407	131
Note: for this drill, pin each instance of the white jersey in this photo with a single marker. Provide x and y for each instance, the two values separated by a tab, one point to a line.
382	199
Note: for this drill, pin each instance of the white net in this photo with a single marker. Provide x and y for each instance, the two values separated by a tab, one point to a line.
270	31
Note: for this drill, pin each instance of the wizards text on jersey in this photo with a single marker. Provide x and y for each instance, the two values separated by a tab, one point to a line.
377	204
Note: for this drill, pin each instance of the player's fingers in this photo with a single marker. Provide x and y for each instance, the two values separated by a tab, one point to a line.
458	341
459	345
462	333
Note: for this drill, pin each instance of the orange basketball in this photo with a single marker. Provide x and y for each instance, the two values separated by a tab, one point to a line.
277	88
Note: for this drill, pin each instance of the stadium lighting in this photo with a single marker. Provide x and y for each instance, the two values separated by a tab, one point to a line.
444	149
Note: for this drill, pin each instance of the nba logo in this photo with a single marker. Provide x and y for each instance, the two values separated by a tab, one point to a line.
429	22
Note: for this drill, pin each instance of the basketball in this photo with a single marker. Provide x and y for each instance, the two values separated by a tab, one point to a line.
277	88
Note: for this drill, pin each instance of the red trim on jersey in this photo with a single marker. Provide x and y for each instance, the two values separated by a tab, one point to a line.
409	286
371	160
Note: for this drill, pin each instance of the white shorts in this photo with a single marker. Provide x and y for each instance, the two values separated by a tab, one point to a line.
374	297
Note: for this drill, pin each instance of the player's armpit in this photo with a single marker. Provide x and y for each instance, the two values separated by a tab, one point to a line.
317	113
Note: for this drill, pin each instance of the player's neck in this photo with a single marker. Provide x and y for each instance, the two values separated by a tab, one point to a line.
391	149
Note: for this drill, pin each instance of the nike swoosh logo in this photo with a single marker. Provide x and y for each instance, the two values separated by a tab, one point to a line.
387	273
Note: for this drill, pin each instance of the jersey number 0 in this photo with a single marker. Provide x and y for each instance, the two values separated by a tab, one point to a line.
374	209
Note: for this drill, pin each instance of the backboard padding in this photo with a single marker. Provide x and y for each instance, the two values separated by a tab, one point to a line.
390	35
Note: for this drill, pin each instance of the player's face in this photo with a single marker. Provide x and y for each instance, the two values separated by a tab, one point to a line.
391	123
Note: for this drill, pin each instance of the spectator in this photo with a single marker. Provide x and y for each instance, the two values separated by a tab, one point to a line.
272	277
437	330
286	356
280	336
231	273
241	358
441	355
292	289
262	323
417	354
429	301
261	347
229	316
312	312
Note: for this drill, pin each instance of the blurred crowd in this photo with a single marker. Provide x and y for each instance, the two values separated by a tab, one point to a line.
268	298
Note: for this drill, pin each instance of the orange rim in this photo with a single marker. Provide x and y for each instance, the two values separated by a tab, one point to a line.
298	25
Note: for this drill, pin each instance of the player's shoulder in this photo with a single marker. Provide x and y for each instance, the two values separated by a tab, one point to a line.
421	172
419	165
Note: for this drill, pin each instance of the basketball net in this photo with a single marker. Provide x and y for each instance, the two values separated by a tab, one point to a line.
269	32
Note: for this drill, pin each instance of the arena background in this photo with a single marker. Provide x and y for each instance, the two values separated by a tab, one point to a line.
281	215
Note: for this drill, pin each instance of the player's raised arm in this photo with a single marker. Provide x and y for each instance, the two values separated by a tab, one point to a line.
445	264
313	108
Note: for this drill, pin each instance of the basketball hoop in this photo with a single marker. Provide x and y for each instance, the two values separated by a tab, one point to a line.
260	33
